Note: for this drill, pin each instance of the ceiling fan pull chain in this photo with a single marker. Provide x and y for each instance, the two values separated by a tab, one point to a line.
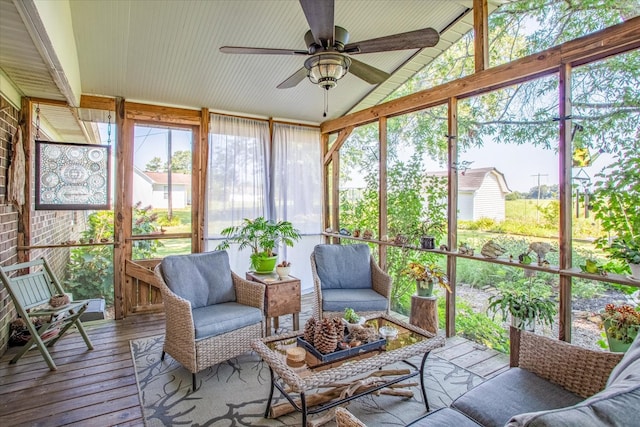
326	102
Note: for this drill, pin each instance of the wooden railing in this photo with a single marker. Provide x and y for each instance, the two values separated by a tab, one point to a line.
142	293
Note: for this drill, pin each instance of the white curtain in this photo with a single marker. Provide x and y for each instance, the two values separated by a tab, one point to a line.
245	179
237	178
297	192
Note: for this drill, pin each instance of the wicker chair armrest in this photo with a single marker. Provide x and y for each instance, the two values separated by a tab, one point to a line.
317	288
577	369
248	292
380	279
178	316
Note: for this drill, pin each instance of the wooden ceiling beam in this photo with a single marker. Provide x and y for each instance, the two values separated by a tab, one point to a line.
156	113
92	102
620	38
481	34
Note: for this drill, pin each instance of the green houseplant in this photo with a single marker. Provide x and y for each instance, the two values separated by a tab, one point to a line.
621	324
523	307
262	236
426	276
615	203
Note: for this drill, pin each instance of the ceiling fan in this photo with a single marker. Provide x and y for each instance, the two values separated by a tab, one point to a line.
330	52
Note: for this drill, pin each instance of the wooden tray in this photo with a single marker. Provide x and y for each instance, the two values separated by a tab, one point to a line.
341	354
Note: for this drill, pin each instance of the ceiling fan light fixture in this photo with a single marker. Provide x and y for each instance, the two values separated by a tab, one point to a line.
325	69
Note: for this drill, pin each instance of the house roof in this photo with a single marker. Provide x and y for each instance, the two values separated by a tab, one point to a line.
163	178
471	180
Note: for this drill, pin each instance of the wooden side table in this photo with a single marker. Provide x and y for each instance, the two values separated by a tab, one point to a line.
424	313
281	297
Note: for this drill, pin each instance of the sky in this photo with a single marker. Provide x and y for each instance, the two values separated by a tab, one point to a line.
522	165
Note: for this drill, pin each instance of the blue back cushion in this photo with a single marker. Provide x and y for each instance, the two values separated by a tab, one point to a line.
343	266
202	279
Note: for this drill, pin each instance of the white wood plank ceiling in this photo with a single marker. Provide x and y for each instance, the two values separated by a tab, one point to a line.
166	52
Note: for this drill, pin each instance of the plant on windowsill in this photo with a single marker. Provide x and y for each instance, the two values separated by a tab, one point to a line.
426	276
615	203
262	236
621	324
523	307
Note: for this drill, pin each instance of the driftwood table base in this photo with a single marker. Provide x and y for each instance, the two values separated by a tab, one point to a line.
321	385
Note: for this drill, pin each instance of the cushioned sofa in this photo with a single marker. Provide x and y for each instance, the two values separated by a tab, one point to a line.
550	384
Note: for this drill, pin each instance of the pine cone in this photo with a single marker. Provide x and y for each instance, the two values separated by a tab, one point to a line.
326	337
310	330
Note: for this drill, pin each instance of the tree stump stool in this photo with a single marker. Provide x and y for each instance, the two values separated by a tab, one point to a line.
424	313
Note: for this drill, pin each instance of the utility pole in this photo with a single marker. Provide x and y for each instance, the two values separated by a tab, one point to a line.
538	196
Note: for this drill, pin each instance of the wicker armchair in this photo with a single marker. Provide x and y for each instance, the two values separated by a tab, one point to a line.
580	370
203	329
348	276
551	383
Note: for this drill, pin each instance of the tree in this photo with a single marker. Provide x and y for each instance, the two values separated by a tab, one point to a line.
605	98
180	163
155	165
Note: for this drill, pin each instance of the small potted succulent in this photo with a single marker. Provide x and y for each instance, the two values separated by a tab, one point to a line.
426	276
621	324
351	318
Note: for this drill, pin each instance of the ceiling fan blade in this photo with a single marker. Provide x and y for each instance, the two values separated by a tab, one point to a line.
367	73
320	16
417	39
294	79
261	51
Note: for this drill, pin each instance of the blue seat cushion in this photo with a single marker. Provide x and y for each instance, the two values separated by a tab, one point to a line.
358	299
615	406
218	319
343	266
512	392
202	279
445	417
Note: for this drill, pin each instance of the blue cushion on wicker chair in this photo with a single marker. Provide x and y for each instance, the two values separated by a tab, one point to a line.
202	279
343	266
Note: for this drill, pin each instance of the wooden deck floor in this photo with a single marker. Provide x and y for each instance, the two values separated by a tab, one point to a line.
98	387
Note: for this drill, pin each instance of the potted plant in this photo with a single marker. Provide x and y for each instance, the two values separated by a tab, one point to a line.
627	250
615	203
426	276
351	318
523	307
429	230
621	324
262	236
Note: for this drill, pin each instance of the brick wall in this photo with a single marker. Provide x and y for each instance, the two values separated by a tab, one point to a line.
47	227
8	216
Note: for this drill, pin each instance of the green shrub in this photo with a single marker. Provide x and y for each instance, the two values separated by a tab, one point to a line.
90	270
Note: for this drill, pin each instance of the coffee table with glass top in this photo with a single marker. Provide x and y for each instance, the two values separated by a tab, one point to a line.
298	384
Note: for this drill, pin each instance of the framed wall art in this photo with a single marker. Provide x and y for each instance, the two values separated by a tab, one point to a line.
72	176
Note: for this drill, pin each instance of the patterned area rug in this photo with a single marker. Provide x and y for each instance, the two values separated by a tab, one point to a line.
234	393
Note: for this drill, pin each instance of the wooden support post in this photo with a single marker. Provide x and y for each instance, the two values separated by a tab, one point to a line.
452	214
481	34
24	212
382	205
424	313
565	165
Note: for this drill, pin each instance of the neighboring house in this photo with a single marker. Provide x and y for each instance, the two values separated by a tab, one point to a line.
152	188
481	194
